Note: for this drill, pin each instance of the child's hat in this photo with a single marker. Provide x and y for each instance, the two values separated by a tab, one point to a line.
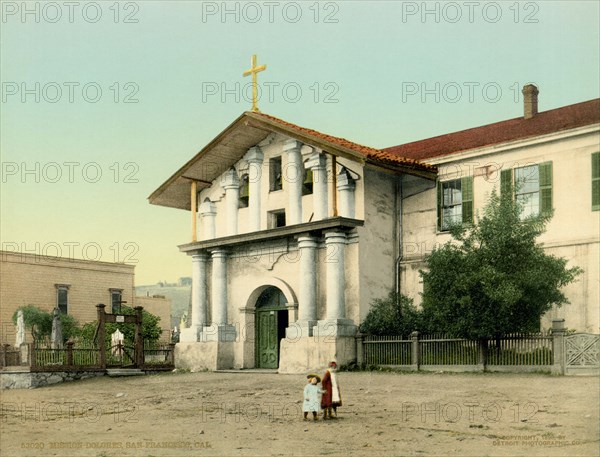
312	375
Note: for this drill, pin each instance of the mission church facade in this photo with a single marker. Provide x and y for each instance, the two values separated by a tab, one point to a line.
295	232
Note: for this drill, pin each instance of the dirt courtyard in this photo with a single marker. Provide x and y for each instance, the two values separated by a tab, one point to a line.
258	414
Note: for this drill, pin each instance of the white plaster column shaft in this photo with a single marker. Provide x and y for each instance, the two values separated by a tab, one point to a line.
346	187
231	184
199	295
318	164
307	292
219	287
208	211
294	178
336	279
254	157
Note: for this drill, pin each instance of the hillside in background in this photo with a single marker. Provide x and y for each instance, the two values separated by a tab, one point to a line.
179	293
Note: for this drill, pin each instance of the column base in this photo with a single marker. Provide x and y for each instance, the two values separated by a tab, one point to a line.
190	334
203	356
222	333
300	329
335	327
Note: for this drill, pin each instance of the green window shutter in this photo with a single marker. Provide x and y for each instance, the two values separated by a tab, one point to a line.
466	185
596	181
439	205
545	170
506	178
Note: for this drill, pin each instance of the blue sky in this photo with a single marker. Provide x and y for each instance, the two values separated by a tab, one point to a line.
103	101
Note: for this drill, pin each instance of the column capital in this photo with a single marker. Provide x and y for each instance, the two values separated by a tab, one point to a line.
208	208
335	237
218	253
292	145
306	240
316	160
254	155
345	181
200	257
230	180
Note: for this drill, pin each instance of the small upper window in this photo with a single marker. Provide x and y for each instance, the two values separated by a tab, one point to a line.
276	219
244	191
275	180
62	298
116	298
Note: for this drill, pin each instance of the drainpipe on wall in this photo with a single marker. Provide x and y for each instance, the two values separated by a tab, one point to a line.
399	236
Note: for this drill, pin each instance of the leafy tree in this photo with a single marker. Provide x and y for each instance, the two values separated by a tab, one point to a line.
151	330
39	322
393	315
493	278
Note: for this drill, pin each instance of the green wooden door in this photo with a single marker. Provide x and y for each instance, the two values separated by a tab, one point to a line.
267	350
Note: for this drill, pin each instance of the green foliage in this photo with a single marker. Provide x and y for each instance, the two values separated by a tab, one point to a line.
39	322
392	315
151	330
493	278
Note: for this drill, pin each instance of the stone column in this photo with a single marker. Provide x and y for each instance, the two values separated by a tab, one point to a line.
231	184
254	157
346	187
317	162
336	278
307	290
219	287
208	211
335	323
199	300
558	346
219	330
293	174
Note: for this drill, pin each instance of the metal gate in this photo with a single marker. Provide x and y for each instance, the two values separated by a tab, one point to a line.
582	354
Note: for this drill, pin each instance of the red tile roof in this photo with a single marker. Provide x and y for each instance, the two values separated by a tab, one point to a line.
565	118
376	155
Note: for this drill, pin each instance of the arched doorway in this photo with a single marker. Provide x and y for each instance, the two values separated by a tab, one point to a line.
271	322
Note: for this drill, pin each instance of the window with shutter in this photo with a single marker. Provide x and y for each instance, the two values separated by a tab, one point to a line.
531	186
596	181
455	202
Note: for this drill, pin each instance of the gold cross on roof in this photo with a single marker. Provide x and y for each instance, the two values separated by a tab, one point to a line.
253	71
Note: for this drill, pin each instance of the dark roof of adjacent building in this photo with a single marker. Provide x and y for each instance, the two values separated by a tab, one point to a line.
546	122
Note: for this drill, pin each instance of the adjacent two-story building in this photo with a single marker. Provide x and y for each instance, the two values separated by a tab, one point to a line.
554	156
295	232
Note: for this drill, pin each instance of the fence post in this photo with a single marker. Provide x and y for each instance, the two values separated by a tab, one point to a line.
138	340
172	348
70	353
482	350
415	359
33	355
4	355
360	355
558	346
102	341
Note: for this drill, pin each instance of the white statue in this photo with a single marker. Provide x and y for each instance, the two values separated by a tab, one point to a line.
20	329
